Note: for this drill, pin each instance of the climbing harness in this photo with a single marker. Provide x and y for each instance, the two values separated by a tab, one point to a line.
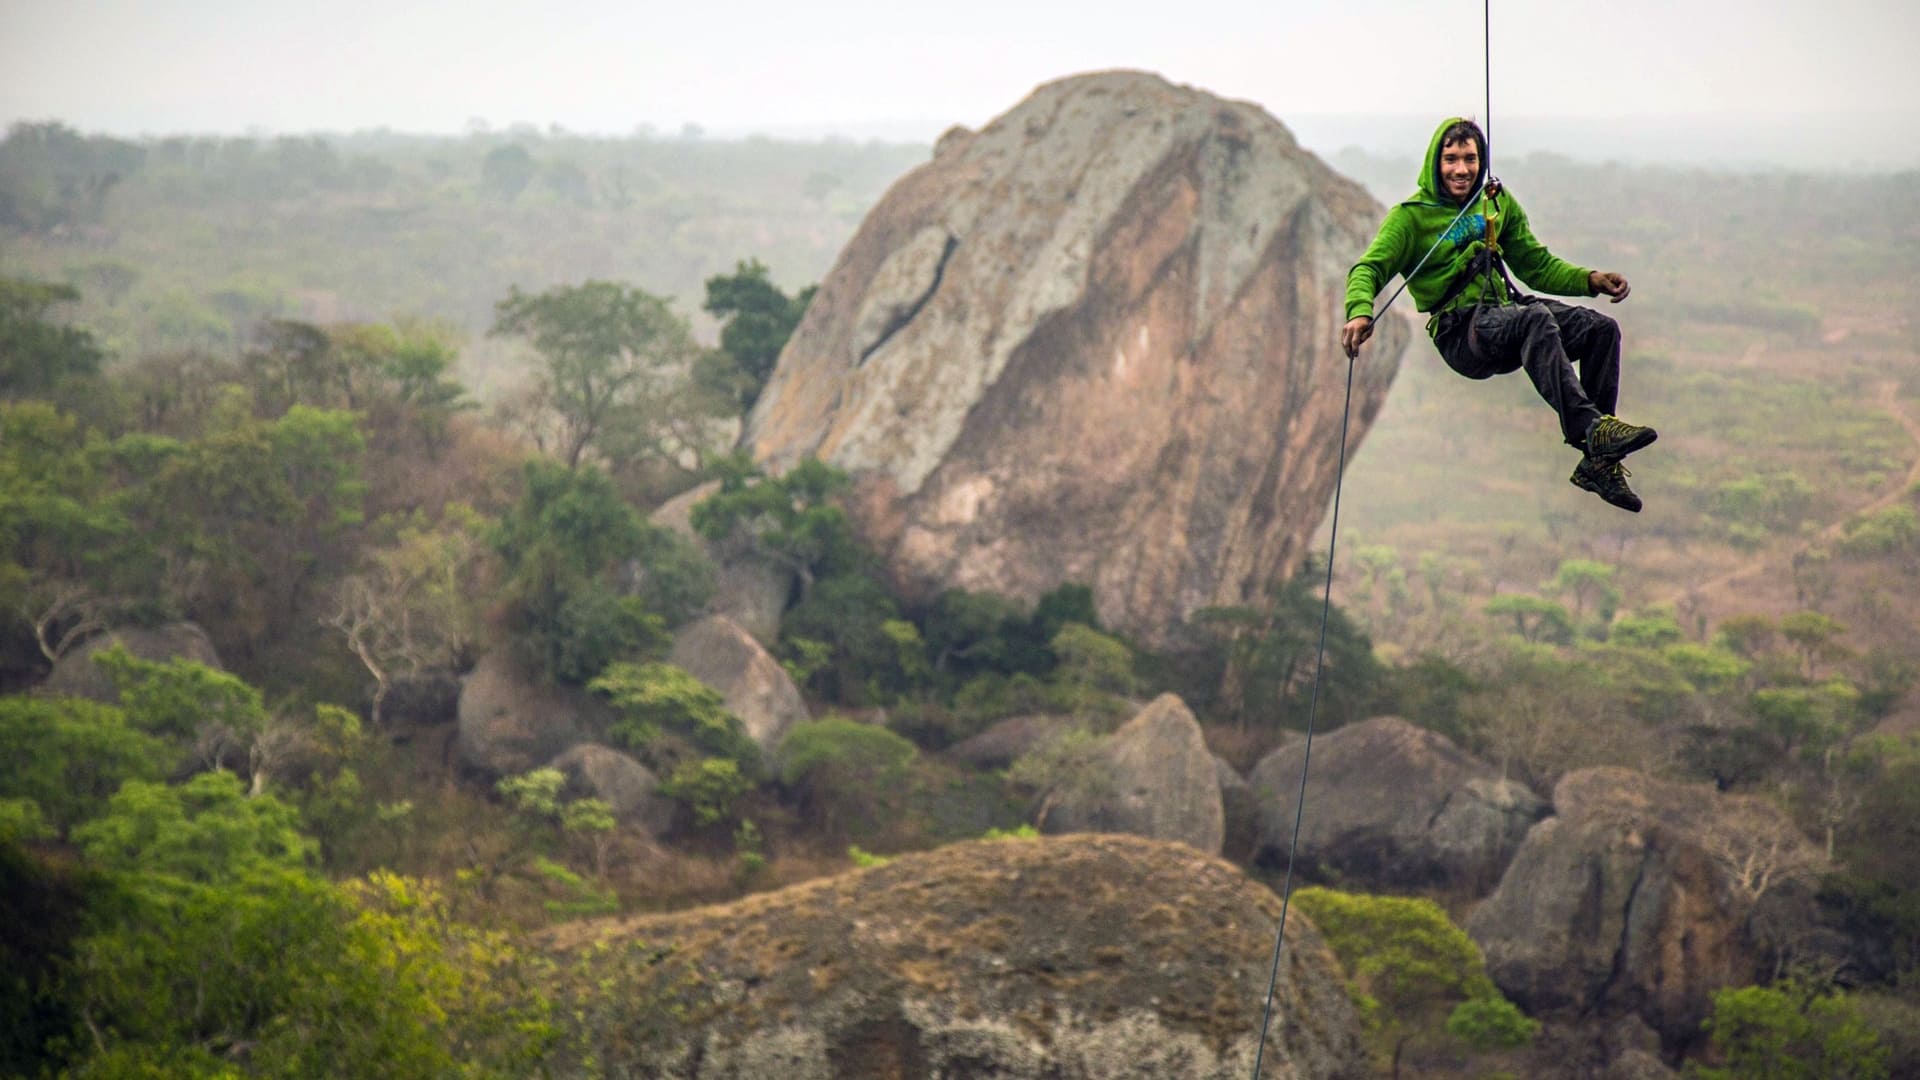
1487	185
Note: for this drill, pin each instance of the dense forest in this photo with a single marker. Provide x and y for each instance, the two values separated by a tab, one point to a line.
339	418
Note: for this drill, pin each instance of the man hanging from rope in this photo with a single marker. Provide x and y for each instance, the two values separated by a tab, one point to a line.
1483	325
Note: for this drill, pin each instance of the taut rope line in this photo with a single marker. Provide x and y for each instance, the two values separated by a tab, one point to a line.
1333	540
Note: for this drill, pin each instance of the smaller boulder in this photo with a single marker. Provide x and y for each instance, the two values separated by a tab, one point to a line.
1002	744
1158	780
511	722
1391	806
630	788
76	675
719	652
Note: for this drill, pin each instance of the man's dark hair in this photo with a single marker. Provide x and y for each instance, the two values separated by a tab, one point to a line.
1461	130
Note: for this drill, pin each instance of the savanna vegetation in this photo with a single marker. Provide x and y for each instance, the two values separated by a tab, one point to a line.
366	410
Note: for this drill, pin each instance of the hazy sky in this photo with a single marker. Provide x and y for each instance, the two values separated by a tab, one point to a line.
908	70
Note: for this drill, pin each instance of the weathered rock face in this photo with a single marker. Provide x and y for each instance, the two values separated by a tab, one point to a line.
748	587
1391	806
756	688
1643	897
1071	958
1003	743
1158	780
630	788
1094	342
510	723
76	675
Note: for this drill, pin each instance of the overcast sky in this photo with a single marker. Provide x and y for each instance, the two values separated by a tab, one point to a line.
1840	72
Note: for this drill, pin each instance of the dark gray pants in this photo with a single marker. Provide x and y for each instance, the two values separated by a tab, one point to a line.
1546	338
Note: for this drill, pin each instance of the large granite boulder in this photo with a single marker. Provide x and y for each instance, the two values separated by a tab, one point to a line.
1391	806
1641	897
1093	342
511	722
1156	779
749	587
1070	958
76	675
630	788
718	652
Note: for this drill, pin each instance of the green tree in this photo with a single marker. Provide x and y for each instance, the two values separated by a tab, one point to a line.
67	756
1791	1031
1587	582
613	356
843	770
565	546
1535	620
37	353
672	717
756	321
1410	970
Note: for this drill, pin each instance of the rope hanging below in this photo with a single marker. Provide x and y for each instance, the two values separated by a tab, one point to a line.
1333	540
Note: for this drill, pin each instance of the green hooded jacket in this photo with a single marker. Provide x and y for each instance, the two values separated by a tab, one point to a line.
1412	227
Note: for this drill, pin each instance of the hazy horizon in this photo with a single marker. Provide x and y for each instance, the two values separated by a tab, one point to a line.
1702	82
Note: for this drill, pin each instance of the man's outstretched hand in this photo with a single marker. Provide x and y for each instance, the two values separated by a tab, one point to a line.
1609	283
1355	334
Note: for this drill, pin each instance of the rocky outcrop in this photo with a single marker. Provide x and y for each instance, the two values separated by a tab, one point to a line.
1642	897
511	722
1068	958
718	652
630	788
1156	778
1392	807
1094	342
1002	744
748	587
76	675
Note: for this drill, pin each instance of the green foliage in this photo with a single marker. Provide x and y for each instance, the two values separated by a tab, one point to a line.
534	795
1791	1031
1534	620
182	698
791	518
38	355
1021	832
850	613
563	545
1093	669
863	858
1408	966
710	787
1891	530
756	321
613	354
1266	659
202	832
670	716
65	757
1491	1023
843	769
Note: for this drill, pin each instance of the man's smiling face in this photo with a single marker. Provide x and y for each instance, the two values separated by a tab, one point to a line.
1459	168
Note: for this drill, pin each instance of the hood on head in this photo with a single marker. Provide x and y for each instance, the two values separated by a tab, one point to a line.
1429	181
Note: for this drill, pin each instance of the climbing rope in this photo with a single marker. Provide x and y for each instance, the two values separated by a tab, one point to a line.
1333	540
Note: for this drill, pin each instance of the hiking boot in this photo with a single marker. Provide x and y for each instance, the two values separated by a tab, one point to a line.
1612	437
1607	478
